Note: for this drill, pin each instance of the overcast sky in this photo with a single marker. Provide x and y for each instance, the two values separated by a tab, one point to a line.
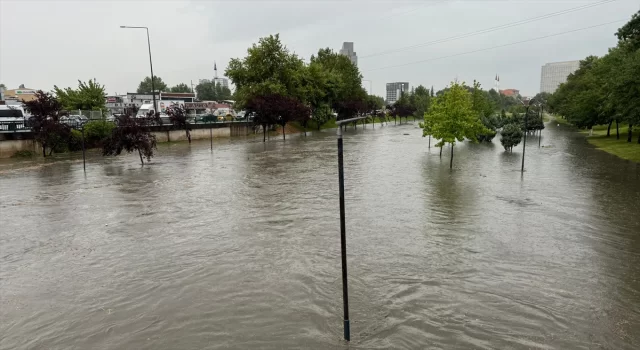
46	43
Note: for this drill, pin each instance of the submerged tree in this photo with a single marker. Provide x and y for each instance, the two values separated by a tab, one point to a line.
178	116
275	109
46	111
451	118
511	136
132	134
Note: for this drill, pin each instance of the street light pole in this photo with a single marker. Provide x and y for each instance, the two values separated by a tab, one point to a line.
343	234
153	85
524	144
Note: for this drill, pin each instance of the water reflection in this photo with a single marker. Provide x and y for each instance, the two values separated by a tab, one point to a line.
239	247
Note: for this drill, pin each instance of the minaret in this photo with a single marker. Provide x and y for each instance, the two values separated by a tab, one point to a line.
215	71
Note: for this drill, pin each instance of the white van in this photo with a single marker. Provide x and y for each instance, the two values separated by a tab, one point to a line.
12	118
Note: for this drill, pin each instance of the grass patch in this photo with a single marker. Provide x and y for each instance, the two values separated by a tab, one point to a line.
620	148
561	121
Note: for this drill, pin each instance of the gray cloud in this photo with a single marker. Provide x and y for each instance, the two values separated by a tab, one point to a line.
43	43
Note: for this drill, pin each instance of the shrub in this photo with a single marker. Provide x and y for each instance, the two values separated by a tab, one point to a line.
23	154
75	142
96	132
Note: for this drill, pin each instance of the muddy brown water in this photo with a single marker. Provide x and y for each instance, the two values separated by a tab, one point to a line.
240	247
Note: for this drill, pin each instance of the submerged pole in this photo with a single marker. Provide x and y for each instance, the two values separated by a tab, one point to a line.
211	136
84	163
343	240
524	144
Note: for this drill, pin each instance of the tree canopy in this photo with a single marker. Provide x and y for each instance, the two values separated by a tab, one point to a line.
210	91
88	96
145	85
605	89
182	87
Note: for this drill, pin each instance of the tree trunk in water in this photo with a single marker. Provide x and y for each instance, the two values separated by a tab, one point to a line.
283	137
44	151
441	151
305	130
451	161
188	135
617	130
630	136
264	133
609	128
140	154
429	141
639	138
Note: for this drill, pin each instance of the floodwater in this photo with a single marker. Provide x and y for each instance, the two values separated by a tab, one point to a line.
240	247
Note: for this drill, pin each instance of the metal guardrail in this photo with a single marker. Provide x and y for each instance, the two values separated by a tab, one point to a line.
23	125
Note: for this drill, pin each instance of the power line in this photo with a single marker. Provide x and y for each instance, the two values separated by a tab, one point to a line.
491	29
380	18
495	47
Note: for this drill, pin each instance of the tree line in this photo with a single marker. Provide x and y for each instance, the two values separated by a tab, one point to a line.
605	89
207	90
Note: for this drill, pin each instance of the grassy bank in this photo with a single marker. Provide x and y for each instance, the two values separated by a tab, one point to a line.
620	148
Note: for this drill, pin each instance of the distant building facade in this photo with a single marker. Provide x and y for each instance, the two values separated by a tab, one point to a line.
347	50
555	73
395	90
510	92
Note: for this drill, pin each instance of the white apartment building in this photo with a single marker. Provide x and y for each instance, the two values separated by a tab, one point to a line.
555	73
395	90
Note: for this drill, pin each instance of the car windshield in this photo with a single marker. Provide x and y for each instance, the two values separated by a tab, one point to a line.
14	113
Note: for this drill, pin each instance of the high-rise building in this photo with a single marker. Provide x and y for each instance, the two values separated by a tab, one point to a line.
395	90
555	73
347	50
222	81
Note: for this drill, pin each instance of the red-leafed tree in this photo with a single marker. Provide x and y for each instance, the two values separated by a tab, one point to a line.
275	109
46	111
132	134
178	116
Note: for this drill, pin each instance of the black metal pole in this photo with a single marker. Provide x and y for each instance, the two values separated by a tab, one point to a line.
153	84
211	136
343	240
84	165
542	119
524	145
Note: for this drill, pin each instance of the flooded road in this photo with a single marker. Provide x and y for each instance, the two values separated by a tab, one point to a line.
240	247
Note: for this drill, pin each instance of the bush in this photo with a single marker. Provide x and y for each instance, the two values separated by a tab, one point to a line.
96	132
75	142
23	154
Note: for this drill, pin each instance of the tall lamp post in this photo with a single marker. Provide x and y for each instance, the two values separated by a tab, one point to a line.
153	85
343	233
526	119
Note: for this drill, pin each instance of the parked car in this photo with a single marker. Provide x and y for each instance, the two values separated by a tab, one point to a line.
74	120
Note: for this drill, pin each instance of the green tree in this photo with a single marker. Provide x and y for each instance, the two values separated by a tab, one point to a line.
268	69
145	85
451	118
629	34
182	87
625	83
3	86
421	101
88	96
511	136
206	91
222	92
482	104
343	86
